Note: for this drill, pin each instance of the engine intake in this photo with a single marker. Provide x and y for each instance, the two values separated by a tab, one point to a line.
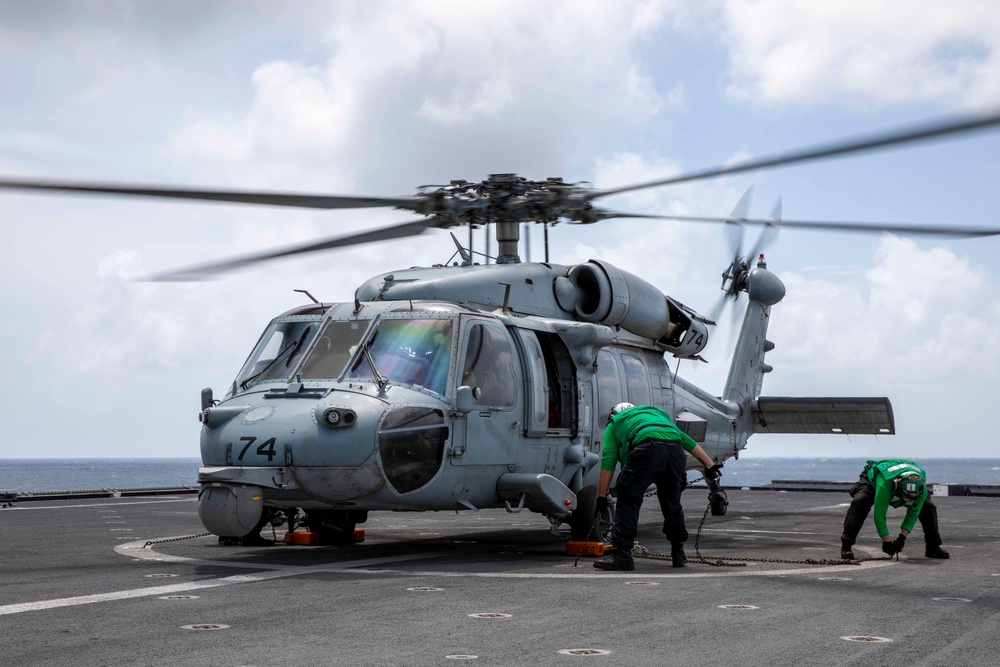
602	293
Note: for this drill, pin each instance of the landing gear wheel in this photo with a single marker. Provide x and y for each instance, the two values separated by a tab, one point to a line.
582	526
335	527
719	503
251	539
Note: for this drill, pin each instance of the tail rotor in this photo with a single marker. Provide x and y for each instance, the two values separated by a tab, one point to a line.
736	277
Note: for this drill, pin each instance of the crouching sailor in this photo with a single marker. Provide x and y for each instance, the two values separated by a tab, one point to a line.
898	483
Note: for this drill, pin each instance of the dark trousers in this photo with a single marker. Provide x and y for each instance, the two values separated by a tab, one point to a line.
657	462
863	498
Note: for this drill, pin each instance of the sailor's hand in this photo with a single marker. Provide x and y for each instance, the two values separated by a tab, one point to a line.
900	541
713	473
889	547
602	504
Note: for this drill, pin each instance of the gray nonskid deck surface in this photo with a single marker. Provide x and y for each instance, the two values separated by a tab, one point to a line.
80	589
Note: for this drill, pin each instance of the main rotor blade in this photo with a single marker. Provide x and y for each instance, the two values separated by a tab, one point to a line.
932	130
206	271
872	227
233	196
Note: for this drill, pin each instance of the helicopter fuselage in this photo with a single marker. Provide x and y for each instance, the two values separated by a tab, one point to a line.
431	405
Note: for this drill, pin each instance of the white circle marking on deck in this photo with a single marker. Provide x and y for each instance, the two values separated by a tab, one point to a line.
584	651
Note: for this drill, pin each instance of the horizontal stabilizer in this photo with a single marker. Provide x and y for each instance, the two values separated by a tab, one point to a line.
853	416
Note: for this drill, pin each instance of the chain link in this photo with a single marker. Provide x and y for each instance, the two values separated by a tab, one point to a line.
175	539
721	561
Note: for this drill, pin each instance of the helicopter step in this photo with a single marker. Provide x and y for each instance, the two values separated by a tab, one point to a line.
540	492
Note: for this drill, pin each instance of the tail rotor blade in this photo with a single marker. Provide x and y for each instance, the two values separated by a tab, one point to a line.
768	235
734	223
734	230
717	308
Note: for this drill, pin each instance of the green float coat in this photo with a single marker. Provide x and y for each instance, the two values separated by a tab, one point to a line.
631	426
881	474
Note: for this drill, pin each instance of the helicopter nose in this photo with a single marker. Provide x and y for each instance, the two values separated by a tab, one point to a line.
329	433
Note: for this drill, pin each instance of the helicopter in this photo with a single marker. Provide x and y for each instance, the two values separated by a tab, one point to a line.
467	386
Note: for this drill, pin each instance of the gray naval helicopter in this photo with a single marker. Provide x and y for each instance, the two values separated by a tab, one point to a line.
470	386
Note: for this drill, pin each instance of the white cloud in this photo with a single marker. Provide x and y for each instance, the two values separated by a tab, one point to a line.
915	317
855	53
913	286
534	79
488	99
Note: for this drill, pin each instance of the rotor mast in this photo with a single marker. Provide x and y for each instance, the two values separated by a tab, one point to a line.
508	190
508	236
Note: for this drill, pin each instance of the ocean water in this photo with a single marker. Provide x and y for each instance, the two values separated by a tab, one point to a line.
749	471
90	474
86	474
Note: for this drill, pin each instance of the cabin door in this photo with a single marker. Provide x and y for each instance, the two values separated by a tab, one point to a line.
489	434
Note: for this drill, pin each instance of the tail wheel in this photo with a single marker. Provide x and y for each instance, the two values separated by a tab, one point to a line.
584	526
719	503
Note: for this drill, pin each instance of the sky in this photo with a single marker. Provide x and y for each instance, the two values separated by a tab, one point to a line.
380	97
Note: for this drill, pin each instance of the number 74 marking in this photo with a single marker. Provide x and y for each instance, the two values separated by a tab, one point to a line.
265	448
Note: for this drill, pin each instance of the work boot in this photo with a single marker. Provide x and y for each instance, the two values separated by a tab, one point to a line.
678	556
845	550
616	561
935	552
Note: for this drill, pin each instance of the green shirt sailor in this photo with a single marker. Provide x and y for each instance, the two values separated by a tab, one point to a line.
642	422
890	490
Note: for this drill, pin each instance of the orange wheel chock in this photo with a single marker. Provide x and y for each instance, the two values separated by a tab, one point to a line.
595	549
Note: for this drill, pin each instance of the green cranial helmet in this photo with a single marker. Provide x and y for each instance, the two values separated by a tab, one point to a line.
910	487
618	408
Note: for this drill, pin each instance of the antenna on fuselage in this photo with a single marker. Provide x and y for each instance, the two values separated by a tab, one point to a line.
466	257
306	292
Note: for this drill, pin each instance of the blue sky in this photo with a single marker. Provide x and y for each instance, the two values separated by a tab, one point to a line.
382	97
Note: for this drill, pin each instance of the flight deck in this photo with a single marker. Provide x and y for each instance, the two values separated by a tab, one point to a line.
134	580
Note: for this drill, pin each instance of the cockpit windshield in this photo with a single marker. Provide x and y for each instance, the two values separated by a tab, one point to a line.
413	351
278	351
336	343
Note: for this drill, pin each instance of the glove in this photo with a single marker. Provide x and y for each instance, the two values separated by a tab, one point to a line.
602	504
713	473
889	548
900	541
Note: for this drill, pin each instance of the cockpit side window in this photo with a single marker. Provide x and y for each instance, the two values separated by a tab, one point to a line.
488	365
411	351
277	352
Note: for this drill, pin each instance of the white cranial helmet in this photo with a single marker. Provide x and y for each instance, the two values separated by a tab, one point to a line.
618	408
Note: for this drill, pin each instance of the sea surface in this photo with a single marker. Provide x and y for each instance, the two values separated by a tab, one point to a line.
35	475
